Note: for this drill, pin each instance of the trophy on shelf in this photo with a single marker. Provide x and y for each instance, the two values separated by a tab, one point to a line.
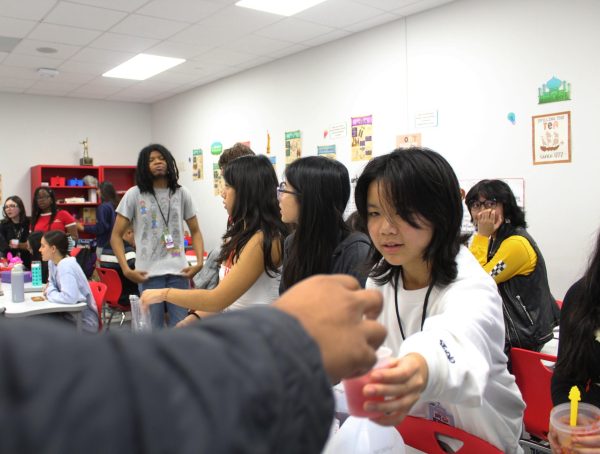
86	160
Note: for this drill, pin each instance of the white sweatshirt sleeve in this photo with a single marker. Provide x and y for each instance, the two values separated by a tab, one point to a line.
69	290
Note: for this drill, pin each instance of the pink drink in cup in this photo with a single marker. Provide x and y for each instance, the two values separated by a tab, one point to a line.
354	387
588	423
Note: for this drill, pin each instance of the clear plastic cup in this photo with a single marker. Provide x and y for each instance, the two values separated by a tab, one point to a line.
588	423
354	387
140	315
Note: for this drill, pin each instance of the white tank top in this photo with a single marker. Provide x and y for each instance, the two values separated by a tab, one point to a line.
264	291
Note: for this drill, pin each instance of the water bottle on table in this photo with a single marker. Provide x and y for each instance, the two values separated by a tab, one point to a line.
140	316
36	273
17	283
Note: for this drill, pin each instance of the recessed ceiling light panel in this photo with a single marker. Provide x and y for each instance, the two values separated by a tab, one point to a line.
280	7
143	66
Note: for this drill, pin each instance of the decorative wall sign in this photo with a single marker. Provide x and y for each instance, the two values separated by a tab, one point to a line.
362	138
216	148
197	165
408	140
326	150
293	146
554	90
551	138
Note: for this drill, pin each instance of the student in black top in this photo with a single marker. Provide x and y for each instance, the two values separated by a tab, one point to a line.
313	197
14	230
109	260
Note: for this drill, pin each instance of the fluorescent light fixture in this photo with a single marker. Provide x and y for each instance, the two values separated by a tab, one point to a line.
143	66
280	7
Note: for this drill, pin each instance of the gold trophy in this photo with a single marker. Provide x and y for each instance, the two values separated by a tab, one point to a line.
86	160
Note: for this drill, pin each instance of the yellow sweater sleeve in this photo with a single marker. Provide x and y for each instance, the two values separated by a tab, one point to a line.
514	257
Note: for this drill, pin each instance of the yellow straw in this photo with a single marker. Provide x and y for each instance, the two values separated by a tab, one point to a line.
574	397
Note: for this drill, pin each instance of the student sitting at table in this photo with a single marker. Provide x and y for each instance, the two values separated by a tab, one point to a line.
66	282
252	248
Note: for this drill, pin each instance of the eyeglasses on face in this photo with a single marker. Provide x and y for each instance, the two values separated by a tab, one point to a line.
281	189
10	205
481	204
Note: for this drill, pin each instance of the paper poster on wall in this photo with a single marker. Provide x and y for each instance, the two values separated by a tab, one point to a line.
426	119
517	186
336	131
551	138
197	165
554	90
362	138
408	140
217	179
216	148
293	146
326	150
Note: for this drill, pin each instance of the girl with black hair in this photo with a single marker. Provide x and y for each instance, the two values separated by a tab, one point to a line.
105	217
313	198
251	252
442	311
14	230
46	216
510	255
66	283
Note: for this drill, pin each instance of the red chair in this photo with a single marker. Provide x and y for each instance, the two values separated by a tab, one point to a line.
534	378
99	291
113	281
422	434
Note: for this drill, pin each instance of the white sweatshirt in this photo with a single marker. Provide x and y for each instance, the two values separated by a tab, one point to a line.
462	340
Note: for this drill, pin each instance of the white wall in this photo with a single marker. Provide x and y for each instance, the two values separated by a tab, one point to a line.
47	130
473	60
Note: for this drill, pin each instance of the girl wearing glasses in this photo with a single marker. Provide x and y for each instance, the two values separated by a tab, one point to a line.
251	252
441	310
313	198
509	254
14	230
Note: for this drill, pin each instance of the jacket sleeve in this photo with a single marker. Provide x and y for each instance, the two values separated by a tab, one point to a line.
246	382
353	261
104	221
69	290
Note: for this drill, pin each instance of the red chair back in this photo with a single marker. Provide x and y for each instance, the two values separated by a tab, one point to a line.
99	291
113	281
422	434
534	380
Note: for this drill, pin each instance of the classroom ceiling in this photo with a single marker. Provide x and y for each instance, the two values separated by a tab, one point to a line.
82	39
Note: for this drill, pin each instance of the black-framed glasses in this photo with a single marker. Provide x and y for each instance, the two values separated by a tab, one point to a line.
281	189
481	204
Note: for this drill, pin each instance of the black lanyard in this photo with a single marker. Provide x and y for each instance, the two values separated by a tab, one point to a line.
425	303
166	220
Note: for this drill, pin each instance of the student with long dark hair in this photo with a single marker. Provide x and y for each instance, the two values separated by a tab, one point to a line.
156	209
313	198
14	230
442	311
46	216
509	254
251	252
66	283
105	217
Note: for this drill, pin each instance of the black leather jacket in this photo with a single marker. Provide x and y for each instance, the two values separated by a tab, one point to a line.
530	310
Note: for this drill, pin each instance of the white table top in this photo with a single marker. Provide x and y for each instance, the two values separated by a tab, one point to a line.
29	307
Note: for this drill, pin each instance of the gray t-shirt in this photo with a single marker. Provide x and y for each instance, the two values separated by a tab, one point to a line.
149	225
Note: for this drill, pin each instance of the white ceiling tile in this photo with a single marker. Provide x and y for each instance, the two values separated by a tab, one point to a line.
181	10
338	13
30	46
327	37
83	16
119	5
387	5
372	22
111	83
34	10
257	45
198	68
74	78
179	50
293	49
3	55
153	84
221	56
16	82
124	43
148	27
294	30
18	72
15	28
62	34
9	89
80	67
54	84
47	91
112	57
29	61
419	6
95	91
200	33
175	77
257	61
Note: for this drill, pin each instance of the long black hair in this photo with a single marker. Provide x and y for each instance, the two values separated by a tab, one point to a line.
108	193
143	177
35	209
255	209
417	182
20	206
576	357
499	191
323	187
